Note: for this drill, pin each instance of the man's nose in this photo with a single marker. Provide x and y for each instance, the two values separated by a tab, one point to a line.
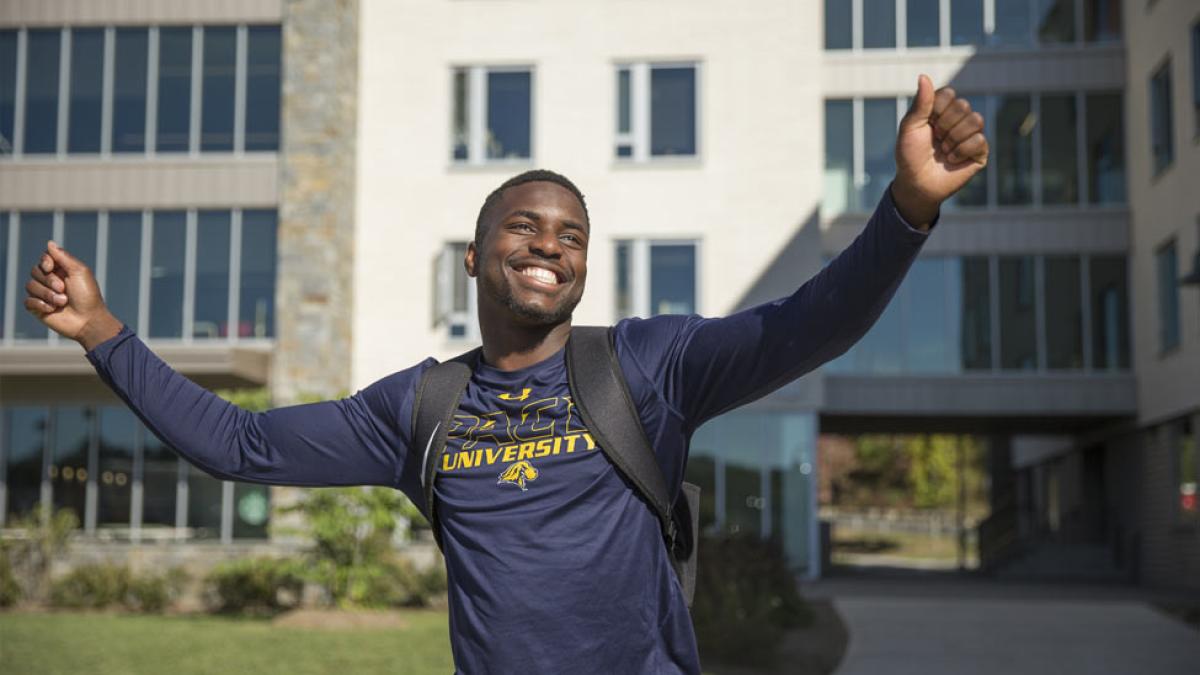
546	244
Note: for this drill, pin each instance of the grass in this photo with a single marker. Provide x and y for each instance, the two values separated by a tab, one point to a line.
69	643
856	545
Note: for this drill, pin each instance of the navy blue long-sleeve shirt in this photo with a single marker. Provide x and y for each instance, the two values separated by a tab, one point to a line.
555	564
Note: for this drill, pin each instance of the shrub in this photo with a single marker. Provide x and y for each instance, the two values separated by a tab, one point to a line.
93	586
746	598
42	536
256	585
10	590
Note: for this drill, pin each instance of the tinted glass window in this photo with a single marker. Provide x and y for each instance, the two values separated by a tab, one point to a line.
1014	149
129	90
217	88
87	90
256	304
1110	312
212	275
1102	20
174	89
263	87
839	156
8	89
1162	143
79	235
1056	20
69	461
166	273
1060	169
1018	326
673	111
879	156
118	430
923	23
24	446
1064	313
122	274
1105	149
1012	22
160	477
672	279
508	110
879	23
36	230
966	22
976	323
838	29
41	91
462	130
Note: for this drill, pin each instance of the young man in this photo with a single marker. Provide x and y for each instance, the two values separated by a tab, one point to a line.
555	563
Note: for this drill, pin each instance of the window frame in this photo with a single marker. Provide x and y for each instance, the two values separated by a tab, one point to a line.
641	115
476	114
447	319
1161	69
150	123
640	268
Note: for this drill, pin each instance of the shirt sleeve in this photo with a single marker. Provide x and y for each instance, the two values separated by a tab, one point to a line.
707	366
350	441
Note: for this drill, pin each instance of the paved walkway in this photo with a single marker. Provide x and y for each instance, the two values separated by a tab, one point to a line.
985	628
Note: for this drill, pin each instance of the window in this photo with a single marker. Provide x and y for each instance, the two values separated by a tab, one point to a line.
1187	469
1110	309
168	274
1102	20
1195	77
1162	143
1018	317
966	22
455	299
1015	123
25	431
839	24
492	114
1060	170
1105	133
1063	314
856	177
656	111
1168	297
923	24
1011	22
170	89
1055	21
879	24
118	443
68	470
656	277
975	310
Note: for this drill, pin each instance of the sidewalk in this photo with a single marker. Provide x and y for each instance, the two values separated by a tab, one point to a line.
934	627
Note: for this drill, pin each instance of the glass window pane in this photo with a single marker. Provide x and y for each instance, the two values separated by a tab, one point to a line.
168	240
966	22
129	90
976	331
217	88
118	430
839	156
41	91
1012	22
87	89
623	100
672	279
927	340
25	442
79	235
673	111
1014	149
36	230
174	89
1060	171
4	224
508	115
251	510
1102	20
204	504
624	270
1056	21
264	53
1105	149
1168	297
1064	313
461	126
838	29
8	89
1018	327
212	275
69	462
923	23
879	24
160	478
876	352
256	304
1110	312
123	271
879	151
1161	120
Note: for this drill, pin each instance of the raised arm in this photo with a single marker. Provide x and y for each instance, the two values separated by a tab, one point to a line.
716	364
351	441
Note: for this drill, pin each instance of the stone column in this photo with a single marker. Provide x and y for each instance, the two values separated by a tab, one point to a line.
314	290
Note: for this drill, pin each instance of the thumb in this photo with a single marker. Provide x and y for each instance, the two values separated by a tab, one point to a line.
922	104
67	262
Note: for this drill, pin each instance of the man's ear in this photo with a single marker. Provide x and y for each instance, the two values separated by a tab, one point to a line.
469	259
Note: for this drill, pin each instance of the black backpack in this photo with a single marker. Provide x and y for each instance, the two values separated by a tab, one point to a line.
601	395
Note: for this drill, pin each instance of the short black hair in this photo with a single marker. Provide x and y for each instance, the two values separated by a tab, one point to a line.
531	176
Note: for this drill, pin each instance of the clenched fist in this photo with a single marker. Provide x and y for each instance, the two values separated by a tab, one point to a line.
64	295
940	146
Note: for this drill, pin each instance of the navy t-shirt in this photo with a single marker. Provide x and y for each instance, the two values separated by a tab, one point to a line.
555	564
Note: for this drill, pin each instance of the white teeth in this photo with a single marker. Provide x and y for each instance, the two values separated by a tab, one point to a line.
540	274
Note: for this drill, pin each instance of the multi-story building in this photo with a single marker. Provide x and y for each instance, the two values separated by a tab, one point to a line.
726	151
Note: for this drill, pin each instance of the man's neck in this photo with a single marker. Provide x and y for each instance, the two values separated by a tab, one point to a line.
510	346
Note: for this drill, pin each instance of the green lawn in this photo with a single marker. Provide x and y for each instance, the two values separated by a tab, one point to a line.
103	644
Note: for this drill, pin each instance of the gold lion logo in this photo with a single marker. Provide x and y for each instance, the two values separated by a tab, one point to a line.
518	474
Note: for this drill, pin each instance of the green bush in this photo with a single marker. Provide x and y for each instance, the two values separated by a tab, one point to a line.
256	585
154	593
746	598
42	534
10	590
93	585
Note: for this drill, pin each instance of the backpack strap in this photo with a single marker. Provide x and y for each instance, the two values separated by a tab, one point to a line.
602	398
437	398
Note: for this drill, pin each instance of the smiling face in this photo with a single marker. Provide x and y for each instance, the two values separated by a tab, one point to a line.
532	262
